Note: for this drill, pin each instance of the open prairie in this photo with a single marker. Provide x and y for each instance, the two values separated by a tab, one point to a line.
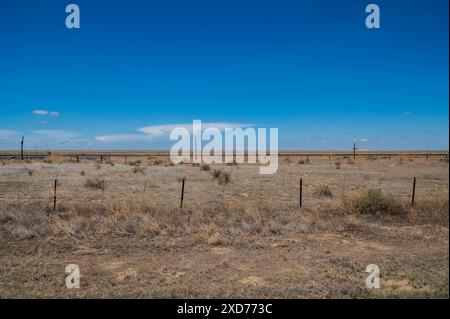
237	234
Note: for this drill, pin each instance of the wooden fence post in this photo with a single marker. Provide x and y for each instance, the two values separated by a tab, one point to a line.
182	193
21	148
301	192
54	195
413	192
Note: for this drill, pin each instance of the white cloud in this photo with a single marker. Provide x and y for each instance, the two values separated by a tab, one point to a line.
121	138
40	112
364	140
153	132
45	113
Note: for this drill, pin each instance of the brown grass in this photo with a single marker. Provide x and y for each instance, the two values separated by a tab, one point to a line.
144	218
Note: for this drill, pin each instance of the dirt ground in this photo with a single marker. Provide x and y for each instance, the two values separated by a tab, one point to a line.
284	252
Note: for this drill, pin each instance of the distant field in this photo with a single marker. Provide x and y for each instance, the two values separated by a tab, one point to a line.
238	234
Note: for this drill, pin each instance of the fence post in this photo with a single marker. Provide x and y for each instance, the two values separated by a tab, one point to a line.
413	192
21	148
182	193
54	195
78	159
301	192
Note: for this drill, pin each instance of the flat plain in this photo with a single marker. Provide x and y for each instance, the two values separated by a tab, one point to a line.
238	234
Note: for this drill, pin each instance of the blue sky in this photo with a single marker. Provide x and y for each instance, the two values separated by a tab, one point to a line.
310	68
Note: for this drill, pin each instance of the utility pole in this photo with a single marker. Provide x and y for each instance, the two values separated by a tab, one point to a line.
354	150
21	149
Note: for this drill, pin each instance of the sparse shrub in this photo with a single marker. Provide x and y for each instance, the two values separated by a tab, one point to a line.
138	169
195	165
216	173
350	162
157	162
82	173
337	164
225	178
98	166
304	161
222	177
323	191
29	171
373	201
371	158
135	163
205	167
95	183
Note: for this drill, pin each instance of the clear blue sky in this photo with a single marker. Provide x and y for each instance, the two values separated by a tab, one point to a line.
310	68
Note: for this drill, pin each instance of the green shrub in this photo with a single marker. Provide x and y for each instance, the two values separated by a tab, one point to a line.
373	201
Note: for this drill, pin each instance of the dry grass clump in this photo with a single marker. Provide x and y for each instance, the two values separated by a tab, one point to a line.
156	162
95	183
205	167
138	169
222	177
337	164
215	224
135	163
303	161
431	211
323	191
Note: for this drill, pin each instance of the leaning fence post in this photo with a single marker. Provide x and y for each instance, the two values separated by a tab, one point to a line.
54	195
182	193
301	192
413	192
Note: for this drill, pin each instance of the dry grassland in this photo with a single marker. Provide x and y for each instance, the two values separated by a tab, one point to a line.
239	234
